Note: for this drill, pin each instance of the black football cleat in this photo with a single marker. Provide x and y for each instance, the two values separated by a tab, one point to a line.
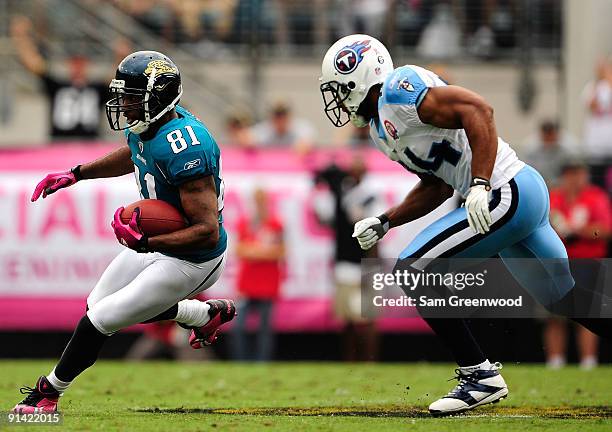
41	399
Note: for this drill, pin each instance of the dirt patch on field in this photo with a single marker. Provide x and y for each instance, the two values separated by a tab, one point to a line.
564	412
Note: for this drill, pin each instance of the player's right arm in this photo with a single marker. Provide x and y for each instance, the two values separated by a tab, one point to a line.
114	164
425	197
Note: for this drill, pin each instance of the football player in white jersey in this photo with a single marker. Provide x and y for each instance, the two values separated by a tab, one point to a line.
446	135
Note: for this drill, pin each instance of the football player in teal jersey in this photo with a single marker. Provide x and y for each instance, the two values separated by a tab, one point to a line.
174	159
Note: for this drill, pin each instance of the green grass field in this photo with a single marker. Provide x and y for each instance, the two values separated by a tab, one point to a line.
166	396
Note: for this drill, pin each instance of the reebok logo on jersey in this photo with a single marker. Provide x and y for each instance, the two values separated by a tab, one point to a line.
192	164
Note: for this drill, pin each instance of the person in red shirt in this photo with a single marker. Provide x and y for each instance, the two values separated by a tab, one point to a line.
261	253
580	213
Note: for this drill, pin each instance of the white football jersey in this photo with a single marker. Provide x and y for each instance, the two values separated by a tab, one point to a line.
423	148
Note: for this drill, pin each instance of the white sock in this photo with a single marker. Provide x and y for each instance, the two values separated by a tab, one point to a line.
556	362
588	363
59	385
485	365
193	313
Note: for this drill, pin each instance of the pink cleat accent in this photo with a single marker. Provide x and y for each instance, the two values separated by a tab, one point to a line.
221	312
41	399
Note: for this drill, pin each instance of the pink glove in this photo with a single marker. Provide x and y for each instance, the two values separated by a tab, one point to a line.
130	235
56	181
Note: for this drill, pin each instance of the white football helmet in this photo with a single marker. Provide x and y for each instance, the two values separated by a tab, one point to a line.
350	68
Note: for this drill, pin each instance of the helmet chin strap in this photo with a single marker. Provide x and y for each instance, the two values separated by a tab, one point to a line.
358	120
141	126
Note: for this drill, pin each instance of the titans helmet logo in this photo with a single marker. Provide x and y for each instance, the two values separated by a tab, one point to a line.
349	57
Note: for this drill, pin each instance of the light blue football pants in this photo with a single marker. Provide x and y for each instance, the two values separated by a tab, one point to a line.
520	229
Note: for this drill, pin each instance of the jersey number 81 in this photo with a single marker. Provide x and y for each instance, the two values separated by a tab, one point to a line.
178	144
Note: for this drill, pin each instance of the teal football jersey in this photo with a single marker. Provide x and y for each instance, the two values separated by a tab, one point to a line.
182	150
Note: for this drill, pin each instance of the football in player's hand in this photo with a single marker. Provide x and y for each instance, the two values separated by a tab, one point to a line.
156	217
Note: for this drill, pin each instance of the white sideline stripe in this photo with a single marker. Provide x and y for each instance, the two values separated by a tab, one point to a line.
467	233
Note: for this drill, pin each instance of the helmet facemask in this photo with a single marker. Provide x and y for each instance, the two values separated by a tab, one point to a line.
334	95
126	103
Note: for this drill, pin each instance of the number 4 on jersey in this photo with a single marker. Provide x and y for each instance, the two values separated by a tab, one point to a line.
440	152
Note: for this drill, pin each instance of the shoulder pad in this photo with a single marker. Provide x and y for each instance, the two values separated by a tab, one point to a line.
404	86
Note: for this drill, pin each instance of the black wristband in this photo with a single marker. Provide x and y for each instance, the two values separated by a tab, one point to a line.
384	221
479	181
143	246
77	172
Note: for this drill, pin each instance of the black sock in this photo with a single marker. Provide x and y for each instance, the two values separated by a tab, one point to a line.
454	332
457	336
165	315
81	352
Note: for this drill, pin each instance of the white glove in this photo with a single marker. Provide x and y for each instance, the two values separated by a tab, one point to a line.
369	230
477	206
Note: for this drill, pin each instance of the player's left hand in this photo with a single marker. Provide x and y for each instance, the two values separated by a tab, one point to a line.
129	234
477	206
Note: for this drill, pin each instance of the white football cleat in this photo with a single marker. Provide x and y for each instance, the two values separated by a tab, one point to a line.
480	387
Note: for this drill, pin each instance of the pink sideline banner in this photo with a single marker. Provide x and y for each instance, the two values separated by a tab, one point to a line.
53	251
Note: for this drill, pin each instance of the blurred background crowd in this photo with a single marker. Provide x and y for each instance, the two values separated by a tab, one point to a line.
250	70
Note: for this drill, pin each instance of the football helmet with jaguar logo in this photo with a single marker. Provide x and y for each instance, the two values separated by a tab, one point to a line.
350	68
147	85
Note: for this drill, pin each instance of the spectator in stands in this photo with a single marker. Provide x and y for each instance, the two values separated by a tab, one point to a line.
159	17
295	21
442	36
351	200
363	16
76	105
581	215
549	149
237	129
204	19
282	129
598	125
489	24
261	253
598	122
